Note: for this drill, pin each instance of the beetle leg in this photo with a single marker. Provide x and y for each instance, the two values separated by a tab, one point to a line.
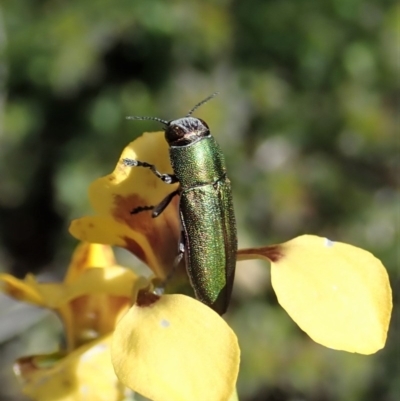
181	252
167	178
160	285
139	209
157	210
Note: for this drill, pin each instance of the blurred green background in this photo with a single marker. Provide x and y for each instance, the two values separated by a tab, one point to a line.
307	117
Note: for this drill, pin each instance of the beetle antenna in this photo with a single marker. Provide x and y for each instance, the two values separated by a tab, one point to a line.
201	103
160	120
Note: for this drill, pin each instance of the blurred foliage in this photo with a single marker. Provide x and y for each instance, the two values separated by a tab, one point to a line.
307	117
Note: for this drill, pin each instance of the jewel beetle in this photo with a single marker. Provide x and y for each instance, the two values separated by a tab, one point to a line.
209	238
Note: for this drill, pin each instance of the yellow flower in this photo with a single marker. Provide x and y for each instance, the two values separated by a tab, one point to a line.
90	300
170	347
337	293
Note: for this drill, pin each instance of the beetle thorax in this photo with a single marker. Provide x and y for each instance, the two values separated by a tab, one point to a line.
185	131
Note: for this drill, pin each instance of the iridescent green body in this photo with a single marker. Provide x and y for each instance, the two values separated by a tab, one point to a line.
208	220
209	240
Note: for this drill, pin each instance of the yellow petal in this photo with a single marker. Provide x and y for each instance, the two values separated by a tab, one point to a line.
337	293
23	290
96	301
107	230
116	281
100	229
87	256
126	181
155	241
234	396
85	374
91	305
176	348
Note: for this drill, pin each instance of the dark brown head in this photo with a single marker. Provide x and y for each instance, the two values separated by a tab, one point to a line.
186	130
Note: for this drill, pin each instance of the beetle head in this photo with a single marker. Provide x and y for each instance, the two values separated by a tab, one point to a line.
186	130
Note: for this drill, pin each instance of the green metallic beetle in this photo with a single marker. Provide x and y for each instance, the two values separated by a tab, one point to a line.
209	239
